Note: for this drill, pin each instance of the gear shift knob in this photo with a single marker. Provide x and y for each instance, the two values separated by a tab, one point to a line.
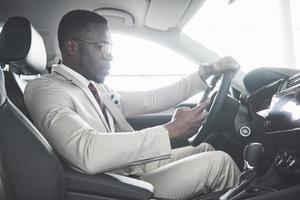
252	155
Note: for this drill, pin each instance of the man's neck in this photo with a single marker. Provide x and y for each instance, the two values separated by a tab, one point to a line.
73	65
75	74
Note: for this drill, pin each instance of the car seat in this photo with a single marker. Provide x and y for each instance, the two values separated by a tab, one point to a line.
29	167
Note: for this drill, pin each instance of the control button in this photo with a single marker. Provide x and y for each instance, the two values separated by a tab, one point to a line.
267	124
286	160
290	161
245	131
279	161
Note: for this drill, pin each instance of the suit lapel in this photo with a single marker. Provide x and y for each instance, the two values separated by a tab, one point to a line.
113	109
85	89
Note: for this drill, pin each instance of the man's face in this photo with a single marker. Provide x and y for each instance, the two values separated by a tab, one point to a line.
94	56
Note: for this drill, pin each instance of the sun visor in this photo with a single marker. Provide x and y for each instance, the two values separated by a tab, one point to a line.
116	16
165	14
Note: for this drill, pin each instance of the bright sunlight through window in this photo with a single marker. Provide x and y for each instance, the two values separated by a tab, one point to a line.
254	32
295	7
139	64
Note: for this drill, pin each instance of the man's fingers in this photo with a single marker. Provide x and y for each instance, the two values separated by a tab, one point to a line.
225	64
231	64
204	115
201	119
180	109
202	106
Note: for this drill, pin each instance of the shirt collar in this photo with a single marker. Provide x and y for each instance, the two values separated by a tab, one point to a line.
73	73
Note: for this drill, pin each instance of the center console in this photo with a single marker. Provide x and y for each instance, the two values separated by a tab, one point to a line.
274	120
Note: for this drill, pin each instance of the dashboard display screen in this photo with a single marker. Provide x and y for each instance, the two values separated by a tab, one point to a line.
284	112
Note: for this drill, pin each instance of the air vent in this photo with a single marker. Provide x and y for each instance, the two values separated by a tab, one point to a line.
293	81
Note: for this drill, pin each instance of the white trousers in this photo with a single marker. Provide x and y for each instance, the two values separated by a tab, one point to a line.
192	171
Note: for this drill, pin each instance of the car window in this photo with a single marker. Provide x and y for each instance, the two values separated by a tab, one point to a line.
140	64
295	6
254	32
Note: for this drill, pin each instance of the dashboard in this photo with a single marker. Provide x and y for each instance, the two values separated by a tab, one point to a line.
278	103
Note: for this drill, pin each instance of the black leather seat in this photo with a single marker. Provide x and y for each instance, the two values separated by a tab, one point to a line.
29	168
20	45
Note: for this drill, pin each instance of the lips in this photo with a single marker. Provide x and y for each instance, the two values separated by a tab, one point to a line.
105	67
105	70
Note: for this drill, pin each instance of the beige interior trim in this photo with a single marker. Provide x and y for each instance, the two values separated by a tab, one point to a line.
116	14
171	13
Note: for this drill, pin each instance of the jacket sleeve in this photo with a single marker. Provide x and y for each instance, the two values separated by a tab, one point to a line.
142	102
89	150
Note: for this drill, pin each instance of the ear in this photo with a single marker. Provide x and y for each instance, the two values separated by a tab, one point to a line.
71	47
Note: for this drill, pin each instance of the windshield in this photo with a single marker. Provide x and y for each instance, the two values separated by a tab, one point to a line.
257	33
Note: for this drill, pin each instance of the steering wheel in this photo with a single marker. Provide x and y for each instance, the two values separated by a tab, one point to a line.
215	108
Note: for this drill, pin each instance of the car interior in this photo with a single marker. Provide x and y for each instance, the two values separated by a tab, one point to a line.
254	115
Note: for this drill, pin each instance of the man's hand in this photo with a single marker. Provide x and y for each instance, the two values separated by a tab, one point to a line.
218	67
186	121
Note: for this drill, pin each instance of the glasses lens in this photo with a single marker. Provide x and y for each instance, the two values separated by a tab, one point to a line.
106	50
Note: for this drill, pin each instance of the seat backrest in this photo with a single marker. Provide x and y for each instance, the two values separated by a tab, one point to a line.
29	167
22	52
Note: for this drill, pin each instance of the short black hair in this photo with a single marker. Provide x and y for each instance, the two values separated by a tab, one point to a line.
76	20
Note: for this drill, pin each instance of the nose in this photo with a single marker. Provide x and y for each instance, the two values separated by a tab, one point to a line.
109	57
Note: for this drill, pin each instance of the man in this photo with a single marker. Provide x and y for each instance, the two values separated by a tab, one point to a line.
73	109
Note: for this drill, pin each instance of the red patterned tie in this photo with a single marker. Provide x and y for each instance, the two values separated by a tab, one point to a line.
97	97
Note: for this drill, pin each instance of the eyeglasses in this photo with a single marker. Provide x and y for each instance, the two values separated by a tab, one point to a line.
105	48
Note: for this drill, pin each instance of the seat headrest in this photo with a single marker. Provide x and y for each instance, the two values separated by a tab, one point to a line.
22	47
2	88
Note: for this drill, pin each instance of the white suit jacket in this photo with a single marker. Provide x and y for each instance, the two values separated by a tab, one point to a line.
67	114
